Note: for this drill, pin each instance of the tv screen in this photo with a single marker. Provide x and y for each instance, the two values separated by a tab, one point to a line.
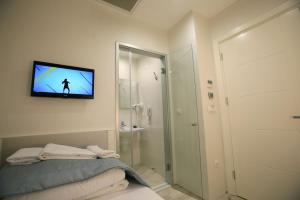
55	80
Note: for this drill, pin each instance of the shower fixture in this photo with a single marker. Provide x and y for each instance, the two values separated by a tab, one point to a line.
137	106
155	76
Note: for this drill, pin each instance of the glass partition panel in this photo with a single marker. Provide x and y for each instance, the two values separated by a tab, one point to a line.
141	114
186	143
125	116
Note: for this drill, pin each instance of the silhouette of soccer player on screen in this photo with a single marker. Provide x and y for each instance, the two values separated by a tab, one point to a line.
66	85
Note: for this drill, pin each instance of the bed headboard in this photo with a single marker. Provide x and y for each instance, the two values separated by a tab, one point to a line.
80	139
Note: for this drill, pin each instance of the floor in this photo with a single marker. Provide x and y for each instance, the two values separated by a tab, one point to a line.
172	193
177	193
149	175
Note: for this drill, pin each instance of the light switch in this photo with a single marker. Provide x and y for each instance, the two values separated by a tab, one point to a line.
209	84
210	95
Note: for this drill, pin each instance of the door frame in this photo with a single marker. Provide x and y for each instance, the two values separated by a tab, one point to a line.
166	105
224	109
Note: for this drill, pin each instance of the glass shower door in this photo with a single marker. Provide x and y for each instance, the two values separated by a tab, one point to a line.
141	114
125	115
186	143
147	118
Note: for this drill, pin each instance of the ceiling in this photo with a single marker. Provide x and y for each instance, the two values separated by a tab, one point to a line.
165	13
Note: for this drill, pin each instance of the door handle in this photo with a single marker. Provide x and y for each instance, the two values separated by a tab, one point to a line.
296	116
194	124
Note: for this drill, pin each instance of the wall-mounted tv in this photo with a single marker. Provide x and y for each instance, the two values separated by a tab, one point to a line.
55	80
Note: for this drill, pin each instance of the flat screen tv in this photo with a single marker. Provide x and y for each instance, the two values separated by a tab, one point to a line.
55	80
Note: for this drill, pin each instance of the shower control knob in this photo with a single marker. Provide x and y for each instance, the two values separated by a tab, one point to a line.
194	124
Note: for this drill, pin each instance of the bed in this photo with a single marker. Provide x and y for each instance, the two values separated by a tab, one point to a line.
133	192
128	188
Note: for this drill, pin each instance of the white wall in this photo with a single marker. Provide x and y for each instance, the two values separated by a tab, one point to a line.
71	32
182	33
240	13
211	111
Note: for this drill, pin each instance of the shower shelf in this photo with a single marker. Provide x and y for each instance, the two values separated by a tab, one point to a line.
127	130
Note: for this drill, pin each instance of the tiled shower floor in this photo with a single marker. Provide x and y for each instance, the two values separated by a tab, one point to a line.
150	176
177	193
172	193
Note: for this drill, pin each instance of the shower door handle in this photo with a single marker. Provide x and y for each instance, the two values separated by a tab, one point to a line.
195	124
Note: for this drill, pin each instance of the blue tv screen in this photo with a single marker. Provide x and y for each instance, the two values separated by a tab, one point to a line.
55	80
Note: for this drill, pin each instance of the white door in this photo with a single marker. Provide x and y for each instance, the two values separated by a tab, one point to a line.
262	79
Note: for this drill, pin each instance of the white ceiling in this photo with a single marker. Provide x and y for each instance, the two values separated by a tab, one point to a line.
165	13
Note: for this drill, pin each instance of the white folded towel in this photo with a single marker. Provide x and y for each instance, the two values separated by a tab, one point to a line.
25	156
102	153
56	151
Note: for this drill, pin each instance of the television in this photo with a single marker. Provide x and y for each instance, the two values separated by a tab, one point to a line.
56	80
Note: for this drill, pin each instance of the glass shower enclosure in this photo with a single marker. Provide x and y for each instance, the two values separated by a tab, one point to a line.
142	113
157	117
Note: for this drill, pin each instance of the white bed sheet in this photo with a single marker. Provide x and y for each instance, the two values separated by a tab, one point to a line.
133	192
79	190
